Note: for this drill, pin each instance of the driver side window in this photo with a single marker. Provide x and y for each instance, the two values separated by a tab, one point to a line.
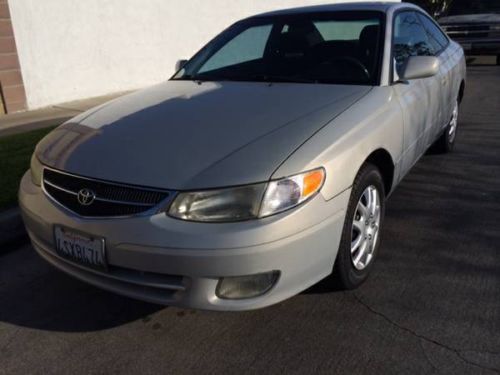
410	38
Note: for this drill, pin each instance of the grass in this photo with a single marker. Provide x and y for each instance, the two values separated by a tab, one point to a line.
15	155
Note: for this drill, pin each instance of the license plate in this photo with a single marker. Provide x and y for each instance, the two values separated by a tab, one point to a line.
80	248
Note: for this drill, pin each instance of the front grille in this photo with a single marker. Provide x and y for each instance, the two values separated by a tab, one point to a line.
109	199
467	30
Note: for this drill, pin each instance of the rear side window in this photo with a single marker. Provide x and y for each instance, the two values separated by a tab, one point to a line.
343	30
410	38
436	36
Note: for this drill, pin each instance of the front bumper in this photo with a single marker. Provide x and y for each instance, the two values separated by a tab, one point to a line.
166	261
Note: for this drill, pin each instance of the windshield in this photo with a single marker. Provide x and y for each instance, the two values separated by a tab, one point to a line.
334	47
459	7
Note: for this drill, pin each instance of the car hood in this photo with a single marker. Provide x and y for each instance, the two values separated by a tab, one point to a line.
185	135
470	18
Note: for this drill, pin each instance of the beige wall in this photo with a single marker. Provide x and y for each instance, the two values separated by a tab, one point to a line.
73	49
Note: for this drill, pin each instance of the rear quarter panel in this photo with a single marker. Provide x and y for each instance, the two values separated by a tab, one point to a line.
374	122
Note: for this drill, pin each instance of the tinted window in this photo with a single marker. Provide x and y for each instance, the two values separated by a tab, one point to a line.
436	36
410	38
341	47
343	30
247	46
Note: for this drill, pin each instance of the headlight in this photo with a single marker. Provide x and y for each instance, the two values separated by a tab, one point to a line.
247	202
233	204
36	171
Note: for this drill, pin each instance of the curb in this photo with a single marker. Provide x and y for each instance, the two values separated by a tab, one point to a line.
12	231
52	115
35	125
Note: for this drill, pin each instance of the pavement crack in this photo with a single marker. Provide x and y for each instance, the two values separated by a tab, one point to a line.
428	359
422	337
486	352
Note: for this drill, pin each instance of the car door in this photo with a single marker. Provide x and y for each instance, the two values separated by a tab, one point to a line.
419	98
440	44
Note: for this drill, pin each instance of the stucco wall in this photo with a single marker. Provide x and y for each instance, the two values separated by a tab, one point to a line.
73	49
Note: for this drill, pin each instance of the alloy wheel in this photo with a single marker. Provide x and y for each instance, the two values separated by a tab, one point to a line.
365	228
452	130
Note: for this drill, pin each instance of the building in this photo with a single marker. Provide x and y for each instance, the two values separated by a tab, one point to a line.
55	51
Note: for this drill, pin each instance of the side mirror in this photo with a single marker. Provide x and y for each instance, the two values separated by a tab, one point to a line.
419	67
180	64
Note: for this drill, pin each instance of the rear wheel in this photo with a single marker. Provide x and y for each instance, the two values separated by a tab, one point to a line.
446	142
361	233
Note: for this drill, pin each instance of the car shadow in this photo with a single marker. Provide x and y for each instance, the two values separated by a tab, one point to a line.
326	286
480	61
35	295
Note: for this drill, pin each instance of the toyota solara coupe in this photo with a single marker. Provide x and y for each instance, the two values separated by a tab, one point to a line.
260	168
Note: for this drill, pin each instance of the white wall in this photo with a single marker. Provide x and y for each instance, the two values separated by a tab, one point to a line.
74	49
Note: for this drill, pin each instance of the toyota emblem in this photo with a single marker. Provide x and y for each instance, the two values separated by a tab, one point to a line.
86	197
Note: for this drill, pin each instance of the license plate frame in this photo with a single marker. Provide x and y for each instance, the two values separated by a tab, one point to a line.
80	248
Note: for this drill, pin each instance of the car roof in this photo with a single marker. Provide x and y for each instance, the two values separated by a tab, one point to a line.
360	6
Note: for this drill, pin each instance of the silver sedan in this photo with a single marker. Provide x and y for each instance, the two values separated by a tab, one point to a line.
260	168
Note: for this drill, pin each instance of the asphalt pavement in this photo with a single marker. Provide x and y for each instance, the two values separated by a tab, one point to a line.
432	305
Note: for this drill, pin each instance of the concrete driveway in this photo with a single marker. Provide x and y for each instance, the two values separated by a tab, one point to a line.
432	305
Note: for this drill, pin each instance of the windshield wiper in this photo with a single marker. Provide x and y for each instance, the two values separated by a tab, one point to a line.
277	78
257	77
196	78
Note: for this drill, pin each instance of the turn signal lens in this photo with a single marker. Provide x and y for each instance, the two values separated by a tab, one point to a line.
281	195
312	182
36	169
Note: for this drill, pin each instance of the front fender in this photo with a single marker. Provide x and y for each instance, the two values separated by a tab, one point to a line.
374	122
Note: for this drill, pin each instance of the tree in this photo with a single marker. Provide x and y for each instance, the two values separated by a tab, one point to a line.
433	7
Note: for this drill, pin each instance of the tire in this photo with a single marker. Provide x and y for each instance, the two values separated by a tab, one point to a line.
349	273
446	141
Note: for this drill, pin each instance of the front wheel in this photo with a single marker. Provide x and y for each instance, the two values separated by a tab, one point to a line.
361	233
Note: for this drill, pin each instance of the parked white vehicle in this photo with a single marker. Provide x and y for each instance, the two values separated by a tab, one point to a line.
259	169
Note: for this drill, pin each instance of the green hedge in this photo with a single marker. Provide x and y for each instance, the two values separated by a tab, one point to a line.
15	155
